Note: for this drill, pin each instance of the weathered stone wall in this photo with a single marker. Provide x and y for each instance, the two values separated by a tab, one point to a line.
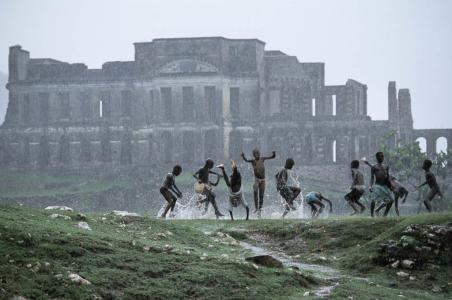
183	100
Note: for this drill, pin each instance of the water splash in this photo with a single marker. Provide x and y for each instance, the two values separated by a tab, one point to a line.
191	206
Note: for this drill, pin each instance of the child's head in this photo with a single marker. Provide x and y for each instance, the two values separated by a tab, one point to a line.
209	163
256	153
177	170
233	165
380	157
427	164
289	163
354	164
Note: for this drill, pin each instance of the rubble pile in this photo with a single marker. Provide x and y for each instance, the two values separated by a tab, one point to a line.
419	247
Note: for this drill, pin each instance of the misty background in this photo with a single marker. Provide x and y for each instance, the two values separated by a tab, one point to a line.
408	41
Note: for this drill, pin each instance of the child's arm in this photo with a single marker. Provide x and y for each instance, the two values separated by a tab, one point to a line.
225	176
216	183
245	159
196	175
176	190
270	157
329	202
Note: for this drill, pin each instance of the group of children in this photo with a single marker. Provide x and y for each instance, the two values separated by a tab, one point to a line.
384	189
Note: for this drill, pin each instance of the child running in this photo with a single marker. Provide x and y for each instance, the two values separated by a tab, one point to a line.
289	193
169	188
357	189
315	198
202	175
234	183
430	180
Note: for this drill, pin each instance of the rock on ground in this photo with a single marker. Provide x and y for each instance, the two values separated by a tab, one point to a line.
83	225
78	279
265	260
122	213
58	216
65	208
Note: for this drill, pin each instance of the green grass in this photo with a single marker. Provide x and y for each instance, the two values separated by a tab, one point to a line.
112	257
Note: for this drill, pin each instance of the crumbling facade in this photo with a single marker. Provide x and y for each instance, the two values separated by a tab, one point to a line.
185	99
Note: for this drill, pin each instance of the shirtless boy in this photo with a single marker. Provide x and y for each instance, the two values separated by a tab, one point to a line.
289	193
357	189
169	190
314	200
202	175
430	180
259	177
380	186
234	183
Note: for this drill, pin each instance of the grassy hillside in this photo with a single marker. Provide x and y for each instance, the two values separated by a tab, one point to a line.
127	258
145	258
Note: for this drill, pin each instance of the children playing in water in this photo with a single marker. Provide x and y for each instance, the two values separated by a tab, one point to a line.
314	200
430	180
202	176
357	189
259	178
170	191
289	193
234	184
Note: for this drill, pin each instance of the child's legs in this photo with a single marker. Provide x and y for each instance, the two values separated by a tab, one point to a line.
396	204
261	190
256	193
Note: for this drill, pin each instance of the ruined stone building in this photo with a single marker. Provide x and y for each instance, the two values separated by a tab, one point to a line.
185	99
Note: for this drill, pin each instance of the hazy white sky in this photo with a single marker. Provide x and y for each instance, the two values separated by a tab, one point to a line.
409	41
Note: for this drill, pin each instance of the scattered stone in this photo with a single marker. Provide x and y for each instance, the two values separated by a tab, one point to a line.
265	260
122	213
59	276
161	235
65	208
407	264
437	289
83	225
58	216
306	294
402	274
78	279
168	248
28	266
395	264
412	278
